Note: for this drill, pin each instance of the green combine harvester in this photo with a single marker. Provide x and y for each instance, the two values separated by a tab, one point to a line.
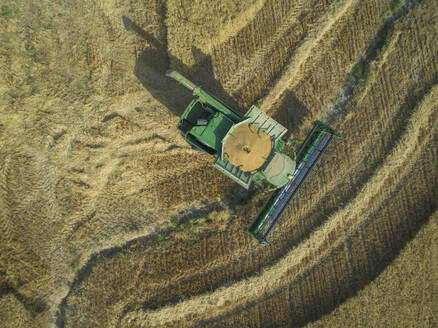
250	148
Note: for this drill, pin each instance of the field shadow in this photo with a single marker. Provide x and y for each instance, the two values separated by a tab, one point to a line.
291	113
153	62
34	305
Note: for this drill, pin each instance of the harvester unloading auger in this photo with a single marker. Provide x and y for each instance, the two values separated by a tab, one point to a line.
250	148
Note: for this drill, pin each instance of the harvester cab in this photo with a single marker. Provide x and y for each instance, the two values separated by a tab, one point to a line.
249	148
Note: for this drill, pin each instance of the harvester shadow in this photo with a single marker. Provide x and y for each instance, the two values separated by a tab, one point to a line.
153	62
291	113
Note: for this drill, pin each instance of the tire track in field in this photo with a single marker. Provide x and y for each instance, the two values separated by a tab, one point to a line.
372	51
309	89
5	220
291	75
233	53
349	220
241	77
317	69
252	77
60	313
29	204
239	23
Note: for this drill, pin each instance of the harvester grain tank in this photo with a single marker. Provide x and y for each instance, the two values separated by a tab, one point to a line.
249	148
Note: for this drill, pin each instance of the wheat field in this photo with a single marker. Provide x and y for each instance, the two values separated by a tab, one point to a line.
108	218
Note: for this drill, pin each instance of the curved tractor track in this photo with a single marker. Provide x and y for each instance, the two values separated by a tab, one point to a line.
145	233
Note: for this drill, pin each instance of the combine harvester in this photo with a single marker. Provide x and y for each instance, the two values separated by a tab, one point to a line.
250	148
